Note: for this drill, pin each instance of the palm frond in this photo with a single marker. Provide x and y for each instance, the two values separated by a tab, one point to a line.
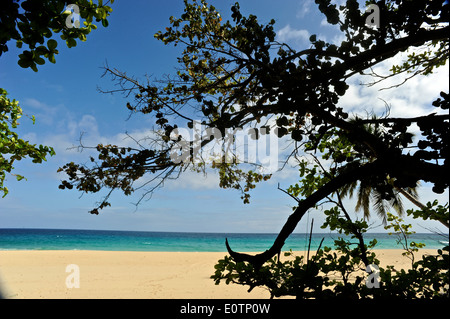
364	199
348	190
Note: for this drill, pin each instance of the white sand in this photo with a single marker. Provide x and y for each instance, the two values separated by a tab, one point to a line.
104	274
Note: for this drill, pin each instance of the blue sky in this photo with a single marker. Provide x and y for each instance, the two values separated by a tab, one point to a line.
65	100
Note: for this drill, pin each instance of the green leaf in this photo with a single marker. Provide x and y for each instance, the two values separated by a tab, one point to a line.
52	44
39	60
340	88
71	42
24	63
51	58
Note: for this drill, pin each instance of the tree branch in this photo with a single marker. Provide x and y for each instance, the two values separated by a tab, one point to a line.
304	205
403	166
433	116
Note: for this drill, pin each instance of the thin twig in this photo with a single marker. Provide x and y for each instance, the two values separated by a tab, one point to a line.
284	191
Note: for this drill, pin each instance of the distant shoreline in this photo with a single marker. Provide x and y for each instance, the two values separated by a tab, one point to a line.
175	251
181	232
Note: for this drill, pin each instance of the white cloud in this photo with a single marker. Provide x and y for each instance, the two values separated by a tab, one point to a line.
88	123
412	98
43	112
64	136
293	36
305	8
324	23
194	180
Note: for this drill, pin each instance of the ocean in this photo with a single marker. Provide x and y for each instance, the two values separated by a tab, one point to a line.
65	239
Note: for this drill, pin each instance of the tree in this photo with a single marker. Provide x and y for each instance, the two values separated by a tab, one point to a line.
347	270
34	21
13	148
30	23
236	75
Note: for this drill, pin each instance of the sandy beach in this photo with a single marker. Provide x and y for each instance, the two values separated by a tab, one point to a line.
149	275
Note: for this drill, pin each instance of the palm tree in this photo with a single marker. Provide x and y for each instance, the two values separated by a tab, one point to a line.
390	196
382	196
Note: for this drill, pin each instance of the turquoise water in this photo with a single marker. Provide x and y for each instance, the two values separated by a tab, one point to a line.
60	239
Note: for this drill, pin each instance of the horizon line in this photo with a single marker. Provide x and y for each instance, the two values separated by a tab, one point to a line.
438	232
